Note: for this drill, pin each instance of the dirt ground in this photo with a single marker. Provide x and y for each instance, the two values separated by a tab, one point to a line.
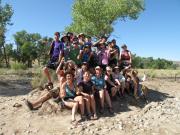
161	115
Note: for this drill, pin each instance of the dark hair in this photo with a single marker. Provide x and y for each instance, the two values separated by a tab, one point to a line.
69	72
104	37
87	72
114	40
57	33
69	34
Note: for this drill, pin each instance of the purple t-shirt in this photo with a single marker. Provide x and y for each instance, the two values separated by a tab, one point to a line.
103	57
58	48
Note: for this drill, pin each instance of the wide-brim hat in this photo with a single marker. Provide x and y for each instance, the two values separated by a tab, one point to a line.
69	34
84	63
81	34
108	68
124	46
63	36
97	67
116	67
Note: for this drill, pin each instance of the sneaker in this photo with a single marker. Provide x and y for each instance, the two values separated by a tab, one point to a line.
49	86
94	117
110	110
101	111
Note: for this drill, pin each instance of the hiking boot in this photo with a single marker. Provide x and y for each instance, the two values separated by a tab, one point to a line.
48	86
29	105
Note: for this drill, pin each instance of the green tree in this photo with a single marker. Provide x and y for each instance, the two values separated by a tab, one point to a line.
26	47
6	13
43	48
96	17
150	63
9	51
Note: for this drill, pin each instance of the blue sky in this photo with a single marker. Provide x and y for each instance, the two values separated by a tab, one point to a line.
156	33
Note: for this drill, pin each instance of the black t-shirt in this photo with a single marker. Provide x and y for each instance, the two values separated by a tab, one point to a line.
87	87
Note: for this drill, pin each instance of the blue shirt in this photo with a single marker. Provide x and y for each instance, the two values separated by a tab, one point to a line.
98	82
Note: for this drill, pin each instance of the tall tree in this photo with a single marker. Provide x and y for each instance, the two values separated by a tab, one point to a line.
26	46
6	13
96	17
9	51
43	48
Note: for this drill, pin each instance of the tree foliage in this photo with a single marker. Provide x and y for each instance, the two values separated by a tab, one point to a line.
26	47
31	47
6	13
150	63
96	17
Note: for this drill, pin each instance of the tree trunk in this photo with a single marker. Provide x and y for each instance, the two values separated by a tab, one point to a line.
29	63
5	56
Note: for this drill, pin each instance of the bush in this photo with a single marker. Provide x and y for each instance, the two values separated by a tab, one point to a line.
18	66
151	74
39	79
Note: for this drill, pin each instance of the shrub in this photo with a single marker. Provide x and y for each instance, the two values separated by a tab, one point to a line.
39	79
18	66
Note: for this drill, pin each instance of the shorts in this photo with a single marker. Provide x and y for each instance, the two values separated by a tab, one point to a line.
109	87
113	63
53	63
103	67
124	64
55	92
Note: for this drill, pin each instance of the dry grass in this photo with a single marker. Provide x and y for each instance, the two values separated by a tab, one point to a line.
38	78
159	73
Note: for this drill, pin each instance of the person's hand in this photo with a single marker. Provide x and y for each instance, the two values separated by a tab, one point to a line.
85	94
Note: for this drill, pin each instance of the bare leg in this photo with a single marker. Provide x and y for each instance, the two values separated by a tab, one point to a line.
87	102
107	98
93	104
42	99
127	87
113	90
74	106
46	72
101	95
81	103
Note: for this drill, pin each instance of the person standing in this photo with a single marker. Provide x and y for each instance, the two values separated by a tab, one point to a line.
125	58
56	54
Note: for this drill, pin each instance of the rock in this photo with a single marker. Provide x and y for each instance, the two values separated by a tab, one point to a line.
91	132
98	129
28	125
3	108
28	132
80	129
90	124
49	107
105	127
70	128
17	105
135	128
120	126
3	124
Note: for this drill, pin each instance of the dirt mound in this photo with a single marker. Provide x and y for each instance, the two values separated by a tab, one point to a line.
160	116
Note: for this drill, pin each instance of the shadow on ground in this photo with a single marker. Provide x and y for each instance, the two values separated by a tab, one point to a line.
14	87
123	104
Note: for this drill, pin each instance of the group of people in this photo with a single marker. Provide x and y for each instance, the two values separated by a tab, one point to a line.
89	74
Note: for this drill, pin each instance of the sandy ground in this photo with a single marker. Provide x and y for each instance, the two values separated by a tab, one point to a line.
160	116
